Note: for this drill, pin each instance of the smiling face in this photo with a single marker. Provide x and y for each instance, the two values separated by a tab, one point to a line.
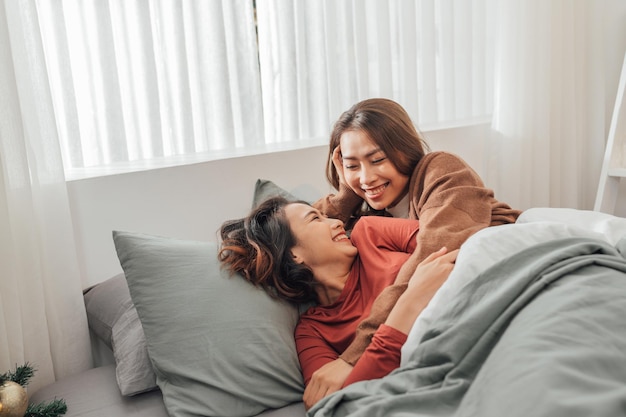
369	172
321	241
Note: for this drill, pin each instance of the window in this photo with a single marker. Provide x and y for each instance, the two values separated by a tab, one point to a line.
157	80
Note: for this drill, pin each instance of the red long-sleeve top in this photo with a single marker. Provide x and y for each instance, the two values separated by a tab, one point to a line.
324	332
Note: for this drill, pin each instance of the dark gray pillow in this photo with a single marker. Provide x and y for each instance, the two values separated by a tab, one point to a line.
218	345
112	318
264	189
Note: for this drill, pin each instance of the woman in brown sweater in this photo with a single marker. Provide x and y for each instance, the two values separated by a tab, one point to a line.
381	165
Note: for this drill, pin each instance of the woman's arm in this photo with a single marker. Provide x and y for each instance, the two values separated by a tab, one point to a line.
341	205
424	283
381	308
383	354
393	235
389	234
322	370
452	203
314	352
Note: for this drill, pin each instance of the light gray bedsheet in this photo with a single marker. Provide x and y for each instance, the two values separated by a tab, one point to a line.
542	333
94	393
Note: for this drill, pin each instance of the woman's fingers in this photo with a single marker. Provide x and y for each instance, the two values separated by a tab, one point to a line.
451	256
326	380
337	155
442	253
338	163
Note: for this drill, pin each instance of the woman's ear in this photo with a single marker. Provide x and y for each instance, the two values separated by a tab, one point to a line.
295	254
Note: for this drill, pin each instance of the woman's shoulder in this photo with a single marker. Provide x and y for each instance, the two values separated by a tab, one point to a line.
434	165
442	169
440	158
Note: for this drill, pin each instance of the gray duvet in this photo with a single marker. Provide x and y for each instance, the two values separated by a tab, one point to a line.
542	333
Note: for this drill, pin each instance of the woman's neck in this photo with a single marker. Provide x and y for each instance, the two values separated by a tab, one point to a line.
331	285
401	208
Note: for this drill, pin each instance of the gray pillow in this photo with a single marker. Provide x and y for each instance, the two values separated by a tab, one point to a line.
264	189
112	318
218	345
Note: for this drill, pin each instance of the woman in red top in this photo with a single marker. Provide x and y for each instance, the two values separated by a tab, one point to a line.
294	252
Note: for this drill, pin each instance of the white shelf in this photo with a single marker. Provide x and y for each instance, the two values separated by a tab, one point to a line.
613	167
617	172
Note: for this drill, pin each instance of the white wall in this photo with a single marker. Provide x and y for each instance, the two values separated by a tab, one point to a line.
188	202
192	201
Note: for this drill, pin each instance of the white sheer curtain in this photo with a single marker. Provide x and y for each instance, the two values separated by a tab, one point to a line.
550	114
536	66
42	315
319	57
92	82
138	80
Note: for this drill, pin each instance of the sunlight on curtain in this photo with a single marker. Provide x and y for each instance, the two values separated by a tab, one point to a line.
140	80
549	117
137	81
320	57
42	314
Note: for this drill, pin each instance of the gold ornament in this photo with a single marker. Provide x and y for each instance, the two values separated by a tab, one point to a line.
13	400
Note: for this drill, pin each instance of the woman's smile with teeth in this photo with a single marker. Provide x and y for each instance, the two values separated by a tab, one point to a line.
376	190
342	236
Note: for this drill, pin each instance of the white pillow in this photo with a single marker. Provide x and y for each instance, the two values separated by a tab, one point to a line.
480	252
612	227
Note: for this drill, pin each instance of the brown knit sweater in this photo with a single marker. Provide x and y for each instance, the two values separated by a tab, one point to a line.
450	201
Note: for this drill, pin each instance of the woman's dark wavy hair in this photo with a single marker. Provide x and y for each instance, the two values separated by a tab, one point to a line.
259	248
389	125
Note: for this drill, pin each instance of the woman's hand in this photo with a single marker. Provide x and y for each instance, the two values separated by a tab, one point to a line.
338	163
433	271
428	277
326	380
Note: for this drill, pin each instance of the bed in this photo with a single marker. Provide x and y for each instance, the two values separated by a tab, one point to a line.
530	322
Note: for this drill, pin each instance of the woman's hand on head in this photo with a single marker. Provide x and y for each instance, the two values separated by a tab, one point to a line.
338	163
326	380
